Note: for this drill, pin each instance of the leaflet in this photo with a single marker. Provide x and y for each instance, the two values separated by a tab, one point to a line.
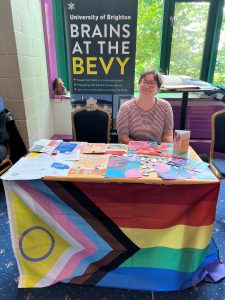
28	168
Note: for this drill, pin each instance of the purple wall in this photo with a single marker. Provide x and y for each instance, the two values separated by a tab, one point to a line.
49	43
198	121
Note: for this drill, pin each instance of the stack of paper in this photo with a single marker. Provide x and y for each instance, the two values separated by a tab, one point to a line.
95	148
176	82
45	146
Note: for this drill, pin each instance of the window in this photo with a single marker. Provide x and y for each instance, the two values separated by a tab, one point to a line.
219	74
190	37
189	29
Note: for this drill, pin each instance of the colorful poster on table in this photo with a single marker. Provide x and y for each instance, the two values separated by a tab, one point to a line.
152	148
101	45
90	165
123	167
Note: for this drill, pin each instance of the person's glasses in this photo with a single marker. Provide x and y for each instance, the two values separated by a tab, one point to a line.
149	83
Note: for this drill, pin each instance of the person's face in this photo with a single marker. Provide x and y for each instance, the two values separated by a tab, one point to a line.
148	85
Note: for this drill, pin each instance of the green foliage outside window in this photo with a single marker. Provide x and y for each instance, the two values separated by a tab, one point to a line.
190	20
148	36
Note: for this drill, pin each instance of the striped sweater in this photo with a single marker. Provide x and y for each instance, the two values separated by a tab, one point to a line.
145	125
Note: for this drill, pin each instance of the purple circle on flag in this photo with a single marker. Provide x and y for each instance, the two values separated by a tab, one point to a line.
43	256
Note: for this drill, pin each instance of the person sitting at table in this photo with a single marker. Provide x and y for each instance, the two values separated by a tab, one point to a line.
146	117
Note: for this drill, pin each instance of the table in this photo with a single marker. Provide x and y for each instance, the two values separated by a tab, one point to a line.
101	232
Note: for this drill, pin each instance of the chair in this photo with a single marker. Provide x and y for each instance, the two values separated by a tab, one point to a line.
91	124
15	142
218	143
6	163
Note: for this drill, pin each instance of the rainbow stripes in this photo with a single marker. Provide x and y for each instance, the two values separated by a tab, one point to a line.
150	237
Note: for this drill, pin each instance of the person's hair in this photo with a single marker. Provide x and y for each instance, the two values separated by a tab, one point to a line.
157	77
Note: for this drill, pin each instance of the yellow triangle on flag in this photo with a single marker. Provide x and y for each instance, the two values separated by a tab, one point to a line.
38	245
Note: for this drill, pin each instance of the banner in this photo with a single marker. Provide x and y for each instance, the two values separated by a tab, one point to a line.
101	44
98	234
